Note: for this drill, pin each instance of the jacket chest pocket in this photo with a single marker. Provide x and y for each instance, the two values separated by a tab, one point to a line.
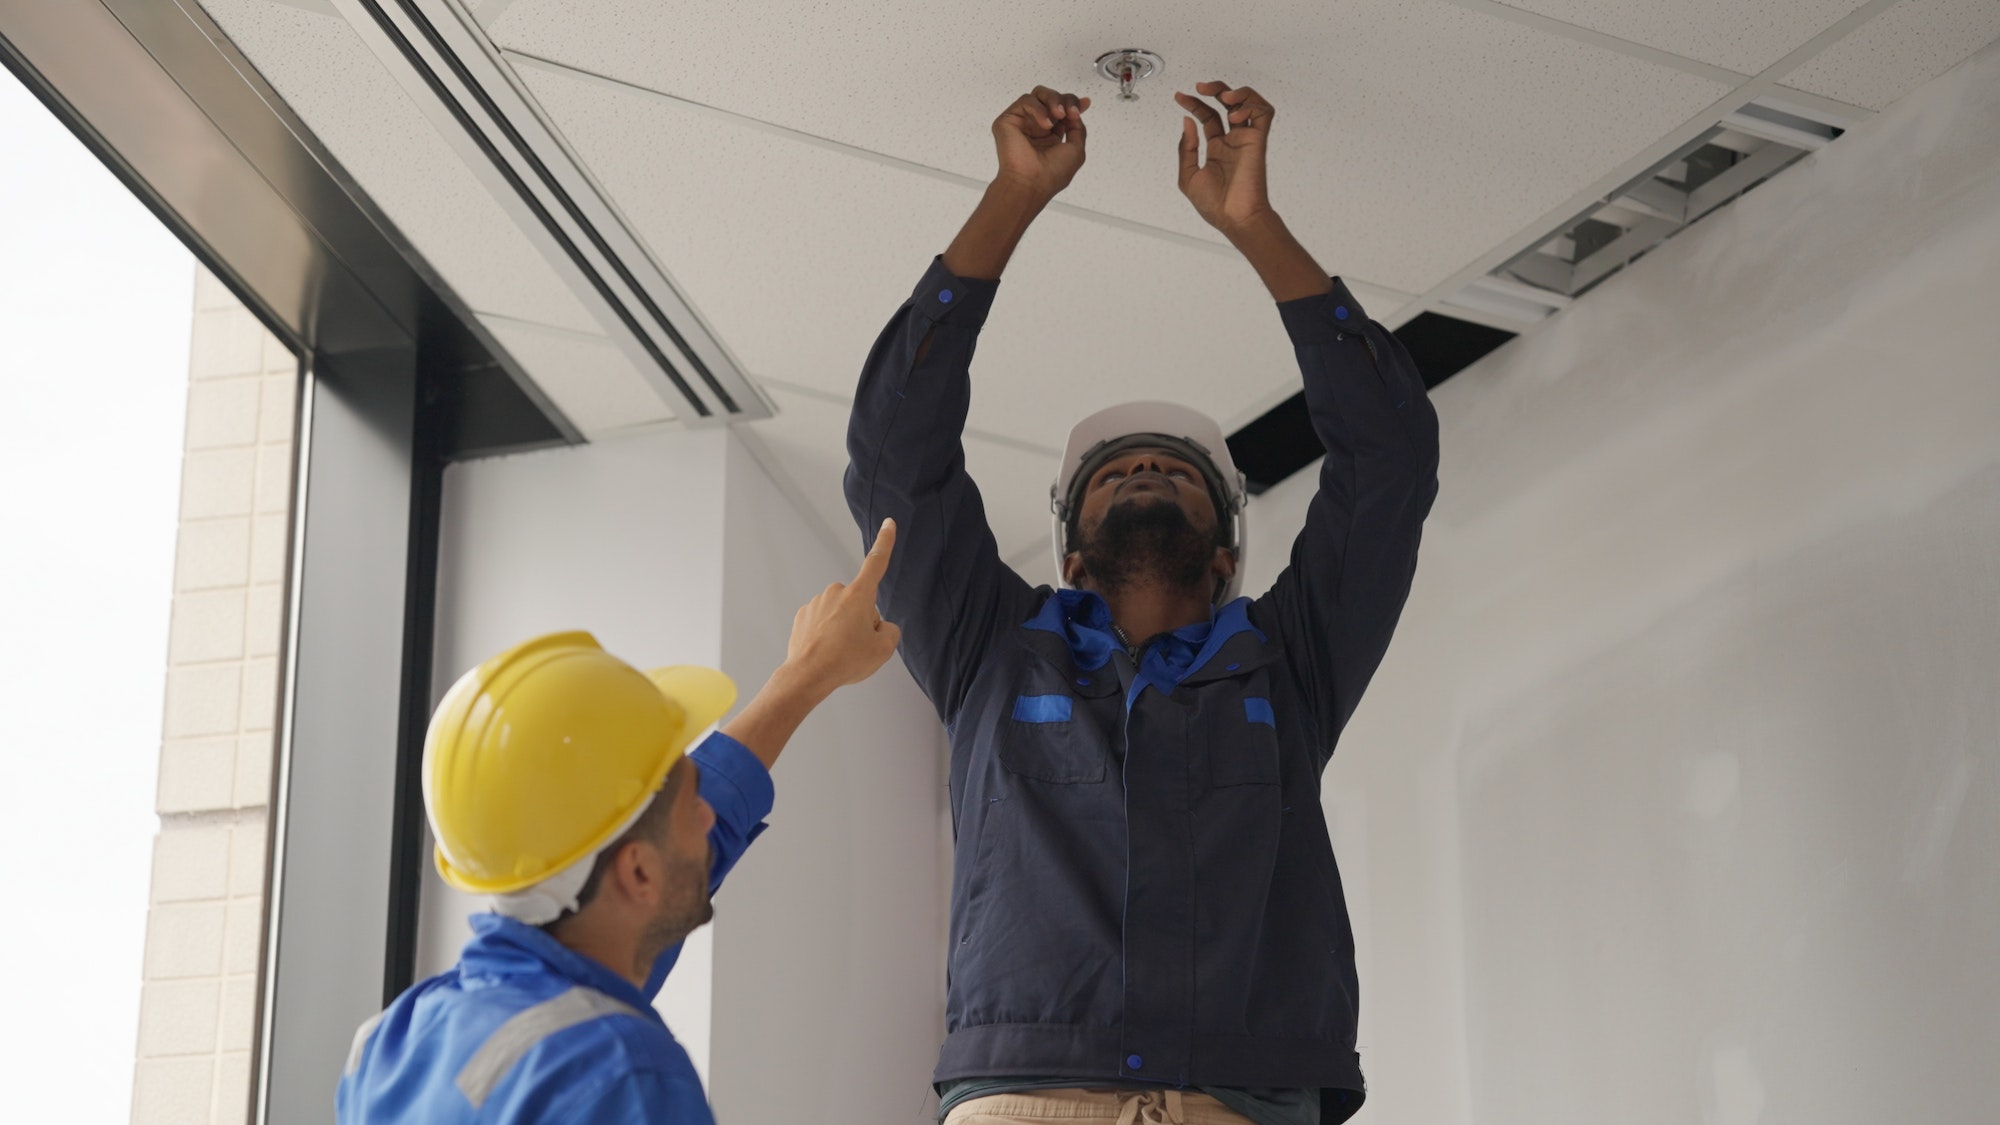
1056	738
1242	735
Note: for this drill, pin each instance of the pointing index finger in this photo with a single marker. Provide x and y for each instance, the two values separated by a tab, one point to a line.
877	563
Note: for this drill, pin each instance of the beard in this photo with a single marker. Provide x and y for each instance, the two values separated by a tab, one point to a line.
1147	541
683	913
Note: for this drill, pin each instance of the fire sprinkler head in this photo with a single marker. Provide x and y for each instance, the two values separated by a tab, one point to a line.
1127	66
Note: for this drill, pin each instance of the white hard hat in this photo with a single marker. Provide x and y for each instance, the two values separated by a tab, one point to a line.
1170	426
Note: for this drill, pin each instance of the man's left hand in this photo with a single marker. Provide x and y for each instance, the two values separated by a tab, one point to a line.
1229	189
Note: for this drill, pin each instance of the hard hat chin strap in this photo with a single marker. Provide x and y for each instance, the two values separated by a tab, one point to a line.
550	899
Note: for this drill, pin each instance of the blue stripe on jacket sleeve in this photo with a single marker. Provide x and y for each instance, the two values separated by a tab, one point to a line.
1257	709
1042	708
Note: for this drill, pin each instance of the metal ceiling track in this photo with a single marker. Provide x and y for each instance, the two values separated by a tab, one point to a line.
447	65
1741	151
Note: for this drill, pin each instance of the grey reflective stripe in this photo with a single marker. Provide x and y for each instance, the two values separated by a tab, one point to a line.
361	1043
526	1028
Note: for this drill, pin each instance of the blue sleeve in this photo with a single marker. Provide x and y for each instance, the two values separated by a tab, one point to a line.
947	588
738	787
1336	604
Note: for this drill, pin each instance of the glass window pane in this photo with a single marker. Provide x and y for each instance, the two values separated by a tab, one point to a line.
145	493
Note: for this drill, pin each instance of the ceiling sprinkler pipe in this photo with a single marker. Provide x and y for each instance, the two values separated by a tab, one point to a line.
1127	67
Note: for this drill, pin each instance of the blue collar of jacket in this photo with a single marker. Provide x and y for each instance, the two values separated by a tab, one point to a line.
1083	620
504	947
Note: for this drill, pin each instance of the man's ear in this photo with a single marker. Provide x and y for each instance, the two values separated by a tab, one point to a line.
1072	569
1223	567
637	872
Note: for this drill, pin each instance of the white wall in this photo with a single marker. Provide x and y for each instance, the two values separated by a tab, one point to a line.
1679	790
621	538
829	962
827	949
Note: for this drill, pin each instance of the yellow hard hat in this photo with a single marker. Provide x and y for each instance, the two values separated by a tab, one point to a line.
543	754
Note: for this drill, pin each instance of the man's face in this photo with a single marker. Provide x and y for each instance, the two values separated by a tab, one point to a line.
1143	475
685	854
1146	514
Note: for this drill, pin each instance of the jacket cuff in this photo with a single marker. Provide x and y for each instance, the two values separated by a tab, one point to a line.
733	782
943	295
1322	318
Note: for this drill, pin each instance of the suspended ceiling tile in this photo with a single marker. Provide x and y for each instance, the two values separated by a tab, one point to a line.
809	438
1744	37
797	254
1899	50
330	79
1412	134
586	376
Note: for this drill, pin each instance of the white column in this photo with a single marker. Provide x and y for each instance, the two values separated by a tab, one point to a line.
827	950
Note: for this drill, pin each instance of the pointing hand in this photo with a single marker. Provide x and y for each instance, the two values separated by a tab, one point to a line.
838	638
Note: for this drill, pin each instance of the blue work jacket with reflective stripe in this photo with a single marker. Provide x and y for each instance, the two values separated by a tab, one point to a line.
1143	886
525	1030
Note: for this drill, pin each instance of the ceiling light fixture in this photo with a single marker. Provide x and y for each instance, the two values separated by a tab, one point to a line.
1745	148
1127	66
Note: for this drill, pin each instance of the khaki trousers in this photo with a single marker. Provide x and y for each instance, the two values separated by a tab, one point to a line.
1120	1107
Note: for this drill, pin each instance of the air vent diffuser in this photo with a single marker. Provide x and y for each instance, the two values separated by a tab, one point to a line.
445	63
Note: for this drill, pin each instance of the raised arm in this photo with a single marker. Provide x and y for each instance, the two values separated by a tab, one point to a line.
1337	603
948	589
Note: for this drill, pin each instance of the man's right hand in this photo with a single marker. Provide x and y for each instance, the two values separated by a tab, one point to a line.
1040	140
837	639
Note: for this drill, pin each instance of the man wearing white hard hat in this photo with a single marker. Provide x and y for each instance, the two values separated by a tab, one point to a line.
558	783
1147	922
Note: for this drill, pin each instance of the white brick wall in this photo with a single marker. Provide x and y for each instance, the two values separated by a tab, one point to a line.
205	927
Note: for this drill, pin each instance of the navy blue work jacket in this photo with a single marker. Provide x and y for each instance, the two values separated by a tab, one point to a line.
524	1029
1143	886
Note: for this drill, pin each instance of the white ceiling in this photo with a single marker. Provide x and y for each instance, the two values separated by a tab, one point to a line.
1901	49
1394	116
1739	36
794	167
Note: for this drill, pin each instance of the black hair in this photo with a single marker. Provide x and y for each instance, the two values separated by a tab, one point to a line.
651	827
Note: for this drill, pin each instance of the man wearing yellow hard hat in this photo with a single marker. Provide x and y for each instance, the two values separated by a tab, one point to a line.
558	783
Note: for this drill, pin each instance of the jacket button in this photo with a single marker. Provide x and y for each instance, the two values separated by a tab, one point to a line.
1134	1062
